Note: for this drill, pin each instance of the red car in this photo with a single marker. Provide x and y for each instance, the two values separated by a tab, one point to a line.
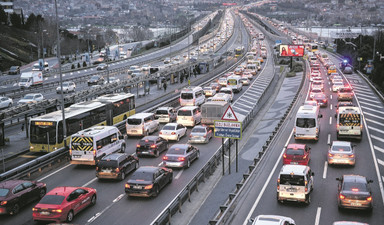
63	203
296	154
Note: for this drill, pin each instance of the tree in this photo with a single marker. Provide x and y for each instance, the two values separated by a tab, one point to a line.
140	34
16	20
3	16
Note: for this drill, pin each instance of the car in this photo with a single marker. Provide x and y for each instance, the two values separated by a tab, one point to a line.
348	70
68	86
14	70
272	220
151	146
345	93
315	91
31	98
348	223
354	192
15	194
200	134
167	60
102	66
181	155
112	80
145	67
147	181
317	84
132	68
5	102
63	203
209	91
321	99
227	90
216	86
222	81
334	77
245	81
337	85
341	152
96	80
222	97
343	103
173	131
247	74
116	166
166	114
298	154
318	79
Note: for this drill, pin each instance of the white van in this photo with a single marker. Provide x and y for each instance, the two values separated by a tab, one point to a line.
192	96
295	183
307	124
253	68
235	83
222	81
349	123
141	124
189	116
88	146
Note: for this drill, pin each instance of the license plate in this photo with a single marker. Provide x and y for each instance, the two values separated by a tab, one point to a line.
137	187
107	171
294	163
291	189
355	204
44	213
76	156
134	131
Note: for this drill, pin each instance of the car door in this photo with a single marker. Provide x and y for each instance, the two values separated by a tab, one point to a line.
181	130
161	178
84	198
31	191
3	103
160	144
73	202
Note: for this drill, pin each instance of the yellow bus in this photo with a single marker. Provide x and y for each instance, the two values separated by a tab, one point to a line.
46	131
239	51
313	47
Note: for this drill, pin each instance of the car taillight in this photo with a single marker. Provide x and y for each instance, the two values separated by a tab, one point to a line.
160	132
330	154
97	168
369	198
153	146
325	100
117	170
165	158
35	209
147	187
341	196
205	136
285	156
305	156
352	156
3	202
173	133
181	158
94	152
70	151
337	127
190	135
137	146
57	210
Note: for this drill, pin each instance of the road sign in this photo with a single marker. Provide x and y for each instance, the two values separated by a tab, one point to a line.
278	41
229	114
227	129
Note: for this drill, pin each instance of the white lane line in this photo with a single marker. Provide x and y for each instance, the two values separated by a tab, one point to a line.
178	174
118	198
93	218
330	120
373	121
329	139
325	169
329	83
361	89
370	109
89	182
266	183
369	100
317	220
375	129
373	115
54	172
367	96
247	106
330	106
330	89
378	148
330	96
376	106
377	138
381	162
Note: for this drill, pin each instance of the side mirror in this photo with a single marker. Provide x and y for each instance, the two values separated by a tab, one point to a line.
251	220
313	174
335	115
121	137
338	178
370	181
321	116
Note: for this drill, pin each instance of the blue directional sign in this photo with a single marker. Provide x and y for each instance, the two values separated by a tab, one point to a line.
227	129
278	42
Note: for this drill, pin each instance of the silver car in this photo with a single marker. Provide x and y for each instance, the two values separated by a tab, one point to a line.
200	134
31	98
272	220
180	155
68	86
341	152
5	102
173	131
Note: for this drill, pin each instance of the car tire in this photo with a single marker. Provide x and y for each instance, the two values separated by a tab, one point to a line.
93	200
146	133
307	199
15	209
10	105
42	192
170	178
122	149
188	163
70	216
122	176
156	191
156	153
198	155
136	165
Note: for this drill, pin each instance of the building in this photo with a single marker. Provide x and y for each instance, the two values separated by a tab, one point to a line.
7	5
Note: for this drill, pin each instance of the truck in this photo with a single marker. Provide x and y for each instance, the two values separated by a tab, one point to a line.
211	111
29	79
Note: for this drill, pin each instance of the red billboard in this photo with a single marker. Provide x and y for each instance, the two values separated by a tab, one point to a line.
292	50
229	4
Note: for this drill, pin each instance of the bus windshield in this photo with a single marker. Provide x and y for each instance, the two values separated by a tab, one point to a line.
41	134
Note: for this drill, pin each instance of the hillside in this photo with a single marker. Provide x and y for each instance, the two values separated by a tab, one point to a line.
17	47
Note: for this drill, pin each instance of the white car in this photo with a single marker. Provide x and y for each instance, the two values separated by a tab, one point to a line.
312	103
112	80
167	60
173	131
336	86
145	67
222	97
68	86
315	91
272	220
5	102
31	98
209	91
227	90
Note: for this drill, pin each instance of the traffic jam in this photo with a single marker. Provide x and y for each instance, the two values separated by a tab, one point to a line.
172	134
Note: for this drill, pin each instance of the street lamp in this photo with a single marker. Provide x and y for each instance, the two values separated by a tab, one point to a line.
42	46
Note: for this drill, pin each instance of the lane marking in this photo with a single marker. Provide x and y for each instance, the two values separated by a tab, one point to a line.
330	107
28	156
54	172
375	129
373	115
376	106
377	138
325	169
93	218
317	221
381	162
178	174
369	100
370	109
330	89
330	120
89	182
373	121
118	198
330	97
266	183
378	148
329	139
367	96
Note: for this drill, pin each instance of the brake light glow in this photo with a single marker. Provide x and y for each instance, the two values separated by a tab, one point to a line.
117	170
330	154
341	196
127	186
181	158
352	156
57	210
147	187
369	198
3	202
285	156
70	151
35	209
161	132
94	152
153	146
173	133
138	146
165	158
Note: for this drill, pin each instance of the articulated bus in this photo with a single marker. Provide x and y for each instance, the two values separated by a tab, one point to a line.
46	131
239	51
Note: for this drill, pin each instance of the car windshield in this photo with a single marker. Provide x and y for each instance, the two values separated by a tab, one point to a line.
286	179
352	186
3	192
28	97
291	151
142	175
226	91
169	127
161	111
337	148
24	79
94	77
134	121
184	113
207	88
52	199
176	151
65	84
198	130
105	164
186	96
306	122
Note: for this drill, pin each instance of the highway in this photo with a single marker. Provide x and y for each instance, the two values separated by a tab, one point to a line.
113	207
260	195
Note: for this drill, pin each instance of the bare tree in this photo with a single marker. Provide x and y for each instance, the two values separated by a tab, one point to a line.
140	34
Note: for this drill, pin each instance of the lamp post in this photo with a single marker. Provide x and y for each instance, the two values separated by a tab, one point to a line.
42	46
61	76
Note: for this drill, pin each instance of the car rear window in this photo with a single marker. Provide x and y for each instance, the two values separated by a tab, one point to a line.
104	164
341	148
3	192
291	151
305	122
186	96
352	186
198	130
134	121
176	151
292	180
141	175
52	199
146	142
168	127
184	113
162	112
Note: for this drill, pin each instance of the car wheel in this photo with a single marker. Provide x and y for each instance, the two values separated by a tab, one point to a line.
171	178
198	155
136	165
93	200
156	191
15	209
70	216
178	137
122	149
156	153
188	163
42	193
10	105
307	199
146	133
122	176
